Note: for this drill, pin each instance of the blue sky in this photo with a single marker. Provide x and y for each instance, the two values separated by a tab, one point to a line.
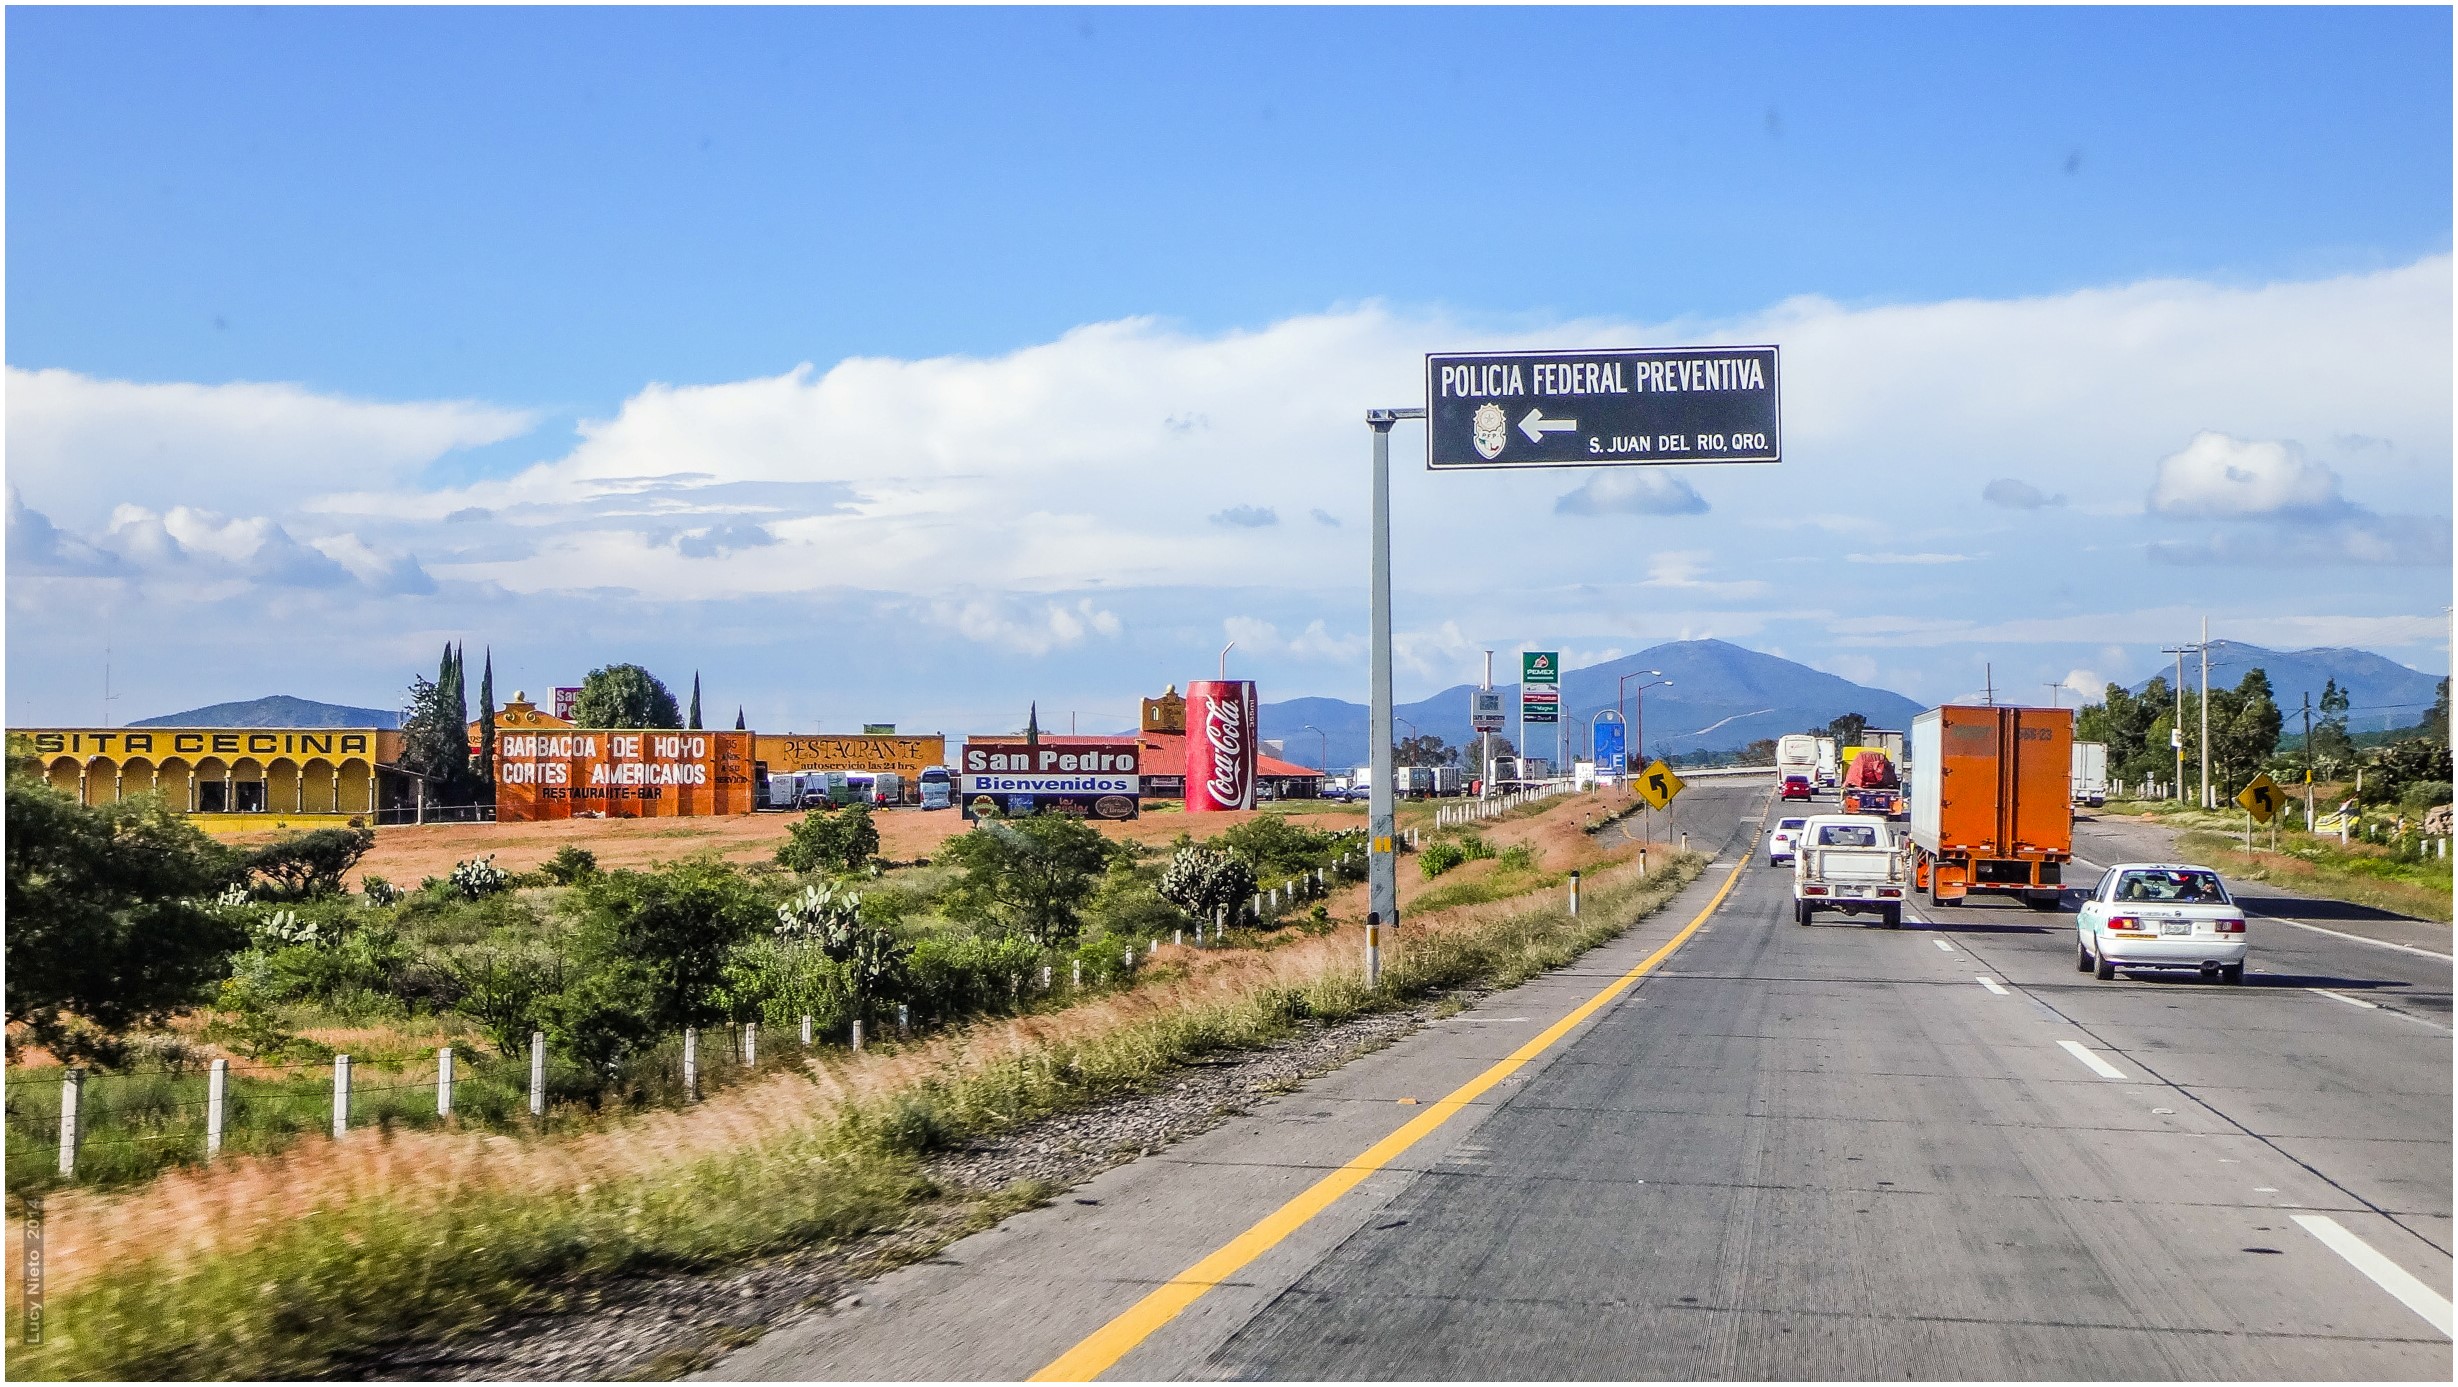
298	285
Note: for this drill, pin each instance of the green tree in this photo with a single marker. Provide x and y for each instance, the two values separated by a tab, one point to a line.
1425	749
2131	727
1846	730
625	696
2330	747
648	957
2244	731
110	922
2436	718
435	735
486	729
310	864
842	841
1029	876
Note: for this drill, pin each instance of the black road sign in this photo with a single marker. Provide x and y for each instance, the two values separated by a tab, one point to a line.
1602	408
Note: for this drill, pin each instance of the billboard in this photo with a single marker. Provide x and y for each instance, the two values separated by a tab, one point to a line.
621	774
566	699
1081	777
837	751
1224	724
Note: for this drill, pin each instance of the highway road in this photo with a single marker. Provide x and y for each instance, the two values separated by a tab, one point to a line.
1779	1152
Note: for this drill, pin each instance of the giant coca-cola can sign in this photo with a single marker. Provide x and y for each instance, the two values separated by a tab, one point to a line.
1223	727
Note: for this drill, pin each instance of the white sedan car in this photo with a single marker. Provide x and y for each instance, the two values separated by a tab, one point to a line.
2161	915
1781	842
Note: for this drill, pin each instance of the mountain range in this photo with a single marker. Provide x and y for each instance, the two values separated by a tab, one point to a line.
278	710
2381	694
1719	697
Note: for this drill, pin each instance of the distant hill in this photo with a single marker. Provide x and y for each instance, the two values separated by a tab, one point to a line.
279	710
2381	693
1722	697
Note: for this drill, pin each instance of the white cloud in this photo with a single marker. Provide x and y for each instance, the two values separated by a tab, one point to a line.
2219	477
1885	557
78	445
2016	494
1684	569
1631	491
1026	629
2086	683
1255	636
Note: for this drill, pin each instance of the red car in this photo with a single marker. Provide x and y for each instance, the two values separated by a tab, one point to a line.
1796	787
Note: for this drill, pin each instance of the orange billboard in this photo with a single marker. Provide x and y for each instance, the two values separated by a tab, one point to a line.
569	773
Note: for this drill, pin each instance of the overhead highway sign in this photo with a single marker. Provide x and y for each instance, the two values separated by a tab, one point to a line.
1588	408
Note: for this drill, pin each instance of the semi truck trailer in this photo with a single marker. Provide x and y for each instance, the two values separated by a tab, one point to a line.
2091	773
1991	806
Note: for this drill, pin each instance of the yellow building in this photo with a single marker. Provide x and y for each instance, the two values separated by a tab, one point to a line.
227	777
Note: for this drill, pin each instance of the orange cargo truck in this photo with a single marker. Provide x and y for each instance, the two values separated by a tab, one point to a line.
1991	804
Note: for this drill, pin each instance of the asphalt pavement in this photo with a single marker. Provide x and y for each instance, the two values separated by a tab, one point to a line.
1838	1151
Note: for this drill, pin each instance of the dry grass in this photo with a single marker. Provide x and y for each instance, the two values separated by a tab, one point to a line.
209	1224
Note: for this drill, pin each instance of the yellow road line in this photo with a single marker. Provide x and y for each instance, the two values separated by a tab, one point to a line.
1101	1350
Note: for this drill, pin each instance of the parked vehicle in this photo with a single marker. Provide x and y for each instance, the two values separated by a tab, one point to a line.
1870	786
1991	807
1782	839
1828	767
1797	787
1446	781
887	789
780	790
1897	749
2161	915
1796	753
936	787
1847	862
2091	774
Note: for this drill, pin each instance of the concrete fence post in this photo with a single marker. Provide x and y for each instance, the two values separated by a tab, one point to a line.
537	1075
1177	937
1045	977
443	1082
857	1035
217	1098
1130	960
72	1095
806	1030
751	1044
691	1062
1075	975
341	1095
904	1020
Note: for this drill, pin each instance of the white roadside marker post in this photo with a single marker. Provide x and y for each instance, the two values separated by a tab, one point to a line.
443	1082
217	1095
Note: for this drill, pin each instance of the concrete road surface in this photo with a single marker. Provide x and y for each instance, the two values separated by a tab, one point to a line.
1828	1152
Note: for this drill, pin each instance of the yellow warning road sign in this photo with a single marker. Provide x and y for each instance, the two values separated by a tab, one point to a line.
1657	784
2263	798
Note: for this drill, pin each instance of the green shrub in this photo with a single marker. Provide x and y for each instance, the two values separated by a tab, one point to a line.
1276	847
309	864
843	841
569	866
1205	881
479	877
951	977
1029	876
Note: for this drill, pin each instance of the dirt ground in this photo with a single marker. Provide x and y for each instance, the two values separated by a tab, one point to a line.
405	854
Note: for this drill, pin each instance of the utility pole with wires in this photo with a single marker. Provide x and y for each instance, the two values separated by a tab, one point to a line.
2308	764
2056	693
1988	677
2205	649
2176	729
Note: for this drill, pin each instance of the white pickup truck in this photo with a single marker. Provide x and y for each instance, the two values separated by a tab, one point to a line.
1847	862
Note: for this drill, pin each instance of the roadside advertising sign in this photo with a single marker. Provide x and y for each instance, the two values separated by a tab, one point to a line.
1485	711
621	774
1082	778
1540	667
1224	727
839	751
565	701
1540	705
1610	753
1540	677
1600	408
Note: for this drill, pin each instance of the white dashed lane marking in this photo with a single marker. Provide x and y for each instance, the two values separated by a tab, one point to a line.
2386	1274
2097	1065
1992	985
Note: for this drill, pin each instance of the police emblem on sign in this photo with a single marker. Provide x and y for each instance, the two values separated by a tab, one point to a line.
1492	430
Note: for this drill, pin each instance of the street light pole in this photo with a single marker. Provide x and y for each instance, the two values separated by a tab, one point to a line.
2176	728
1322	760
2205	648
1382	867
1621	705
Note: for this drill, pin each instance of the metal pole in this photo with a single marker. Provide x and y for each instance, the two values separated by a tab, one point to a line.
1382	865
2308	763
2205	647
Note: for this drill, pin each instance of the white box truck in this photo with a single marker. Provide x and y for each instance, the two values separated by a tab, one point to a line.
1796	753
1830	772
2091	773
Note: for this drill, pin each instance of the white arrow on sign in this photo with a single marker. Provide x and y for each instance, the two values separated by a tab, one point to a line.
1536	425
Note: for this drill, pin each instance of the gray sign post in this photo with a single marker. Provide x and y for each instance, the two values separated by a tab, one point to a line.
1579	408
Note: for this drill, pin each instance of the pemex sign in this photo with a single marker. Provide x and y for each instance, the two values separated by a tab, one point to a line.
1540	681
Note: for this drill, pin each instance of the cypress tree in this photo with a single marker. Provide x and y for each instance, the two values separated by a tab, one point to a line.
456	698
694	724
739	724
486	727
